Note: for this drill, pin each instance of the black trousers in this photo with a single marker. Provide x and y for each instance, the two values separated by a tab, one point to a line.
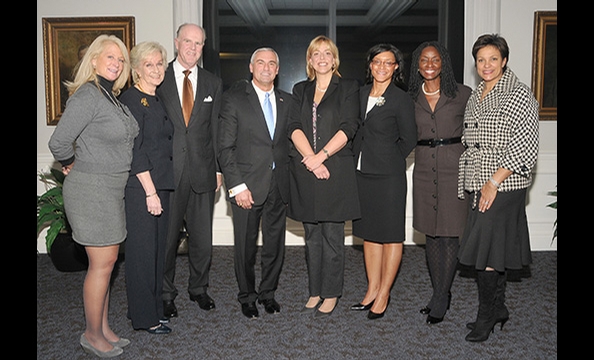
145	258
324	254
197	208
246	227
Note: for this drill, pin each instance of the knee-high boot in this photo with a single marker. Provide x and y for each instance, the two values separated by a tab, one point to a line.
485	320
501	312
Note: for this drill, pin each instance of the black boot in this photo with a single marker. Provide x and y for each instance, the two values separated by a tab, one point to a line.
485	320
501	312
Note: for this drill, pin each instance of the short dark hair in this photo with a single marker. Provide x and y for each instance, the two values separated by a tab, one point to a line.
494	40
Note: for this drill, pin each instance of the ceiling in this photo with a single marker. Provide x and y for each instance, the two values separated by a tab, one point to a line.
289	25
371	14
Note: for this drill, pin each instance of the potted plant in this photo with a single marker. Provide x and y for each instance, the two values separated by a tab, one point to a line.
66	254
553	205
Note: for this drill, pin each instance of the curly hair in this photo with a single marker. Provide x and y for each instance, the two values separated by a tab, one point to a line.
398	76
448	84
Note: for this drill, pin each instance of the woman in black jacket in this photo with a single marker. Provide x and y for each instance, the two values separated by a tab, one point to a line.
323	120
387	135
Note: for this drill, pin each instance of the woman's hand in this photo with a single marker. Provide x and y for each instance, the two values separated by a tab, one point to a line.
321	172
488	195
312	162
66	169
153	204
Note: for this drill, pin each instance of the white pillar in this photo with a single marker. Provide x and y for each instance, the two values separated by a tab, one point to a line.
482	17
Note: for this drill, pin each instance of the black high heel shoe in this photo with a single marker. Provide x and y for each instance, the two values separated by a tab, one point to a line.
426	310
361	307
372	316
501	320
433	320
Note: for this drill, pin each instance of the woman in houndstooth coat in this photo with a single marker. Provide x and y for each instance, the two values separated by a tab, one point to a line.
501	139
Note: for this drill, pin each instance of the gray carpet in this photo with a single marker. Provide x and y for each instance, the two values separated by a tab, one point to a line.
224	333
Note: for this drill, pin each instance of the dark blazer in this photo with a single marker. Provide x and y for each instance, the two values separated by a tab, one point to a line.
335	199
153	148
198	140
389	131
246	152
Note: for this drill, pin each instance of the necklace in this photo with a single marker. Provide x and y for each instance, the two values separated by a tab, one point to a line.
144	91
431	93
324	90
111	97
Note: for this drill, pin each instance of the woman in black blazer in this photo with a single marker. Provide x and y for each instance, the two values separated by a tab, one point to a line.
386	137
147	192
322	176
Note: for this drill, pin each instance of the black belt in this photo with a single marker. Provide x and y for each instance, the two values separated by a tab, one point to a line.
439	142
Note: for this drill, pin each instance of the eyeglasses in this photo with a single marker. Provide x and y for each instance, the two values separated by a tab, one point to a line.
380	63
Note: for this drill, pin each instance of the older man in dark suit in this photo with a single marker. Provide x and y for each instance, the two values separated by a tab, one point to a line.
253	154
192	102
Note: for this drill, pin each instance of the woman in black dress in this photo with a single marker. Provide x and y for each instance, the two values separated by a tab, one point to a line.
386	137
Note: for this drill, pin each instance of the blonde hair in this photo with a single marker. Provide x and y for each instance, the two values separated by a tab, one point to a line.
141	51
86	72
314	45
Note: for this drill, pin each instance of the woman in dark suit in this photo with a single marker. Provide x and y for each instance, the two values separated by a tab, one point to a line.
323	120
387	135
148	189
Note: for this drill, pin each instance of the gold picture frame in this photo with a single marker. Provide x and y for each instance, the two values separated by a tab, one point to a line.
63	41
544	63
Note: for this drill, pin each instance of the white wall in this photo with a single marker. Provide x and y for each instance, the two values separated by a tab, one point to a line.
154	20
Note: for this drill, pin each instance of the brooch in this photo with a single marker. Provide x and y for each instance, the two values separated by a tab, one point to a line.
144	102
380	101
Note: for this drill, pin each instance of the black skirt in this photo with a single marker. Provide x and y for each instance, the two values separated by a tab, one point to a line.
499	237
383	208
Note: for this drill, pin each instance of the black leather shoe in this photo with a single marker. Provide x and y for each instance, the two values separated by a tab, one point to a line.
361	307
169	309
204	301
425	311
270	305
433	320
249	310
159	330
373	316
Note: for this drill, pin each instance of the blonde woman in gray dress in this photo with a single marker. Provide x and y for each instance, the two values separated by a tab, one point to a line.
102	131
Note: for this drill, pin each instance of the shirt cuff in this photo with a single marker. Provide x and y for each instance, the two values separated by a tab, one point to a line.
237	189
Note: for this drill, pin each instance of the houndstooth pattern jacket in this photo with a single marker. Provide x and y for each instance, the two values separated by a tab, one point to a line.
499	131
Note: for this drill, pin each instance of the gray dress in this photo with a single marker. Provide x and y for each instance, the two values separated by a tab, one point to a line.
103	133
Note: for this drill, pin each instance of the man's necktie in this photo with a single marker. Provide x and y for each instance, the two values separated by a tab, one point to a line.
187	97
269	115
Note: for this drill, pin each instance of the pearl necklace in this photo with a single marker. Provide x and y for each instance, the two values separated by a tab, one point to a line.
321	89
431	93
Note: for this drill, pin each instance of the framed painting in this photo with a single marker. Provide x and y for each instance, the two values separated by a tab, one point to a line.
544	63
64	42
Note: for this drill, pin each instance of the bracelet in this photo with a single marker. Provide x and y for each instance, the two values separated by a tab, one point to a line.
149	195
327	154
494	182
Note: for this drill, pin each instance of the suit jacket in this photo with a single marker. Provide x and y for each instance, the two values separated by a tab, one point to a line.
387	134
196	143
335	199
246	151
